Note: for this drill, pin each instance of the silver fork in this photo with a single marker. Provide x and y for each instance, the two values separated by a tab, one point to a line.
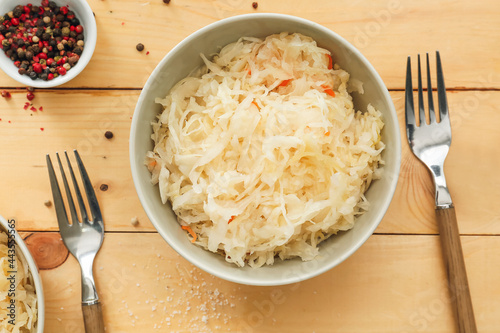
430	144
82	238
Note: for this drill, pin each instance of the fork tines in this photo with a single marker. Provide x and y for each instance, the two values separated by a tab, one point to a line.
58	199
441	91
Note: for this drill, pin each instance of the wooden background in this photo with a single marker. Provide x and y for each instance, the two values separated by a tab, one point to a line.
394	283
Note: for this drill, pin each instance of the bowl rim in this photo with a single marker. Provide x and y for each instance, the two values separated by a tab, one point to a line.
90	43
34	273
381	210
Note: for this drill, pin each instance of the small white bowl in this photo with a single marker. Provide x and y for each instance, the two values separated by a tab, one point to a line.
38	328
84	13
185	57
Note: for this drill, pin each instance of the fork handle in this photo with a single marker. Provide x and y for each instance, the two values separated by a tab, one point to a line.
92	317
455	269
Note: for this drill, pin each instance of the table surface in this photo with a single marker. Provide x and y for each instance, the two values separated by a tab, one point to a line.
394	283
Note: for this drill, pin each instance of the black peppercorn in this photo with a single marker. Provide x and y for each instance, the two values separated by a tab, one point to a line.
36	49
56	32
45	36
103	187
108	135
59	17
52	5
73	34
166	1
79	37
18	11
3	29
75	22
33	75
22	71
78	50
44	76
35	9
140	47
29	55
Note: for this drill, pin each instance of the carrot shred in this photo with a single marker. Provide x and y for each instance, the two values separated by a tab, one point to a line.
330	61
328	90
231	219
249	71
284	83
191	232
152	163
327	133
255	103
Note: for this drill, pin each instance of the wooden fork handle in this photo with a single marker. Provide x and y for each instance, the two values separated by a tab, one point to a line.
92	317
455	269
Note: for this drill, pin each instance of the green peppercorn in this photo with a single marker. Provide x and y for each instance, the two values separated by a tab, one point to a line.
65	31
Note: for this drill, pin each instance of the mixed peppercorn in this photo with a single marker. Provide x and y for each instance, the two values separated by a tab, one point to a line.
43	41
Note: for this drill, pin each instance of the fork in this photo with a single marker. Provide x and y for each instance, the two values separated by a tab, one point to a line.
430	143
82	238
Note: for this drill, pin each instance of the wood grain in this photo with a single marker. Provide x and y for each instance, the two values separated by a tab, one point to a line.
385	31
79	119
142	282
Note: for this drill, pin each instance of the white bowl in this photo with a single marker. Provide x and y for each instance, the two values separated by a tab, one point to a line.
179	62
38	328
87	20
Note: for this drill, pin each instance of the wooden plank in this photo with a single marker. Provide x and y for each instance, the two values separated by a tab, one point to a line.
376	290
78	119
385	31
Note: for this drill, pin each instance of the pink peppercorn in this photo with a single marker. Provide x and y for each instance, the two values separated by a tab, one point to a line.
30	96
79	29
37	67
61	70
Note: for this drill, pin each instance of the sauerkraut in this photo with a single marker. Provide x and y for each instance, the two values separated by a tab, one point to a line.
262	154
25	304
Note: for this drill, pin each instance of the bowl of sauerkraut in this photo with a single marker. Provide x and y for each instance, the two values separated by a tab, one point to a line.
21	293
265	149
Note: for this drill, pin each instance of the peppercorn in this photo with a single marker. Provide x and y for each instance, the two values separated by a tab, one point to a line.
73	34
78	50
29	55
65	31
45	36
30	96
255	5
18	11
46	19
166	1
52	5
80	37
44	76
30	89
108	135
22	71
103	187
5	94
59	17
140	47
75	22
33	75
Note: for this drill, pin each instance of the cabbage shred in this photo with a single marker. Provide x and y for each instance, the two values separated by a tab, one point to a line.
255	155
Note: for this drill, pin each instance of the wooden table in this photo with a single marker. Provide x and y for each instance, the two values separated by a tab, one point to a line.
394	283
